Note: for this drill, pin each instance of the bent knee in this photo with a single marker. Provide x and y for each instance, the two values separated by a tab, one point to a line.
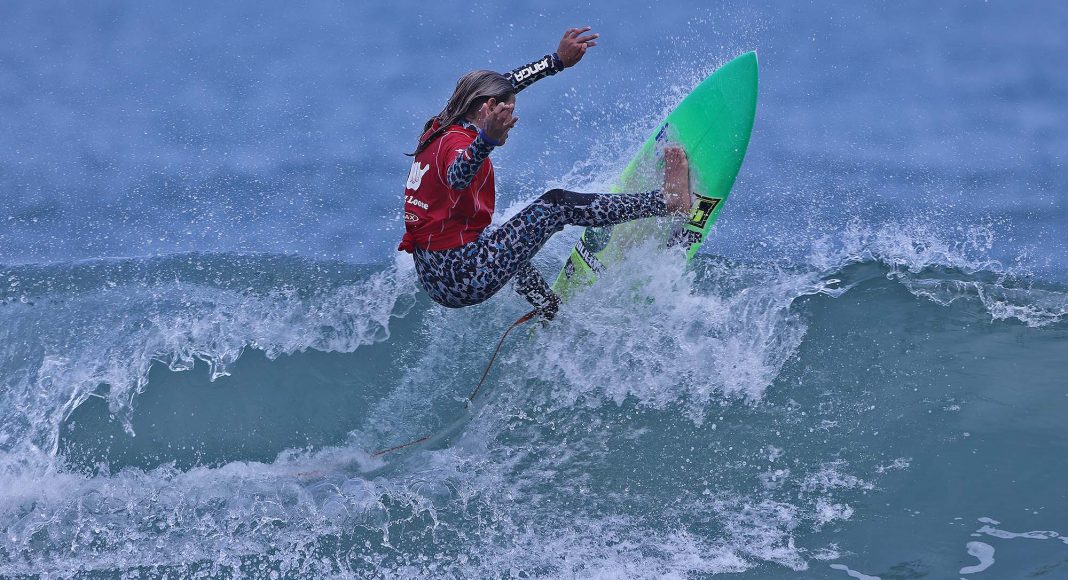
557	196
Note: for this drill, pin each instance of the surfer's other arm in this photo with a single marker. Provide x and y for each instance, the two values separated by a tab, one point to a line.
493	122
572	48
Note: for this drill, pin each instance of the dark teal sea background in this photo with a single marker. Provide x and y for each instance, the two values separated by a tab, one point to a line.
205	329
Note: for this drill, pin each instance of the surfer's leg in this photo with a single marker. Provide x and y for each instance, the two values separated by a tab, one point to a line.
468	275
455	277
475	271
518	239
530	284
559	207
502	253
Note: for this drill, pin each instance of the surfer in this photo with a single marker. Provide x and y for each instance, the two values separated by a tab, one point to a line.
450	193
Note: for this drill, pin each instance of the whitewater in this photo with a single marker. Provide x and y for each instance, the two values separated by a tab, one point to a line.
205	332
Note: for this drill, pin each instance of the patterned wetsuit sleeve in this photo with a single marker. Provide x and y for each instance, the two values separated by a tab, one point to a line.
463	169
528	74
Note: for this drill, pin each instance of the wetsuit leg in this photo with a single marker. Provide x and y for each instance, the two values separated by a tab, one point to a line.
477	270
518	239
530	284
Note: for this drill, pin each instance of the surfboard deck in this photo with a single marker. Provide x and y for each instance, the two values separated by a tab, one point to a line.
713	124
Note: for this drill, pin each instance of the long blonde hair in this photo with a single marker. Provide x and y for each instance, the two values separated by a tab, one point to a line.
473	89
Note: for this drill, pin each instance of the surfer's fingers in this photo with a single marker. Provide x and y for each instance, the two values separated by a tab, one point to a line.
589	44
587	38
502	115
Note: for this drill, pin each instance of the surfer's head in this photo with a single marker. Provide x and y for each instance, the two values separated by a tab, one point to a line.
472	90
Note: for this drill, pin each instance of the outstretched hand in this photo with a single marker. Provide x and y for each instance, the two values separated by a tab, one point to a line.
495	119
574	44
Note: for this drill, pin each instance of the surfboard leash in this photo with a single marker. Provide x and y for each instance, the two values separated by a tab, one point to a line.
470	398
522	319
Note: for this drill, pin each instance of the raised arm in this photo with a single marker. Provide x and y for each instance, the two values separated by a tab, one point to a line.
572	48
495	119
530	73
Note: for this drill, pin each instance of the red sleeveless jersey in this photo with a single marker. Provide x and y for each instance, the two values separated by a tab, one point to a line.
437	217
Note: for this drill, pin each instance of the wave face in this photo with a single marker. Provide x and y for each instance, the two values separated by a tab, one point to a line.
214	414
205	335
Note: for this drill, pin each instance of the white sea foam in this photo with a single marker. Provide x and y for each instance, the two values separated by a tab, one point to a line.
989	528
914	248
853	573
178	518
899	463
830	476
827	512
985	554
113	335
651	331
510	446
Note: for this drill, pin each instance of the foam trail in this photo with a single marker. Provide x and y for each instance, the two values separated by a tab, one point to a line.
853	573
989	529
985	554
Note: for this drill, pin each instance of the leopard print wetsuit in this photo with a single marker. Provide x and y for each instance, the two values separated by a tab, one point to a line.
473	272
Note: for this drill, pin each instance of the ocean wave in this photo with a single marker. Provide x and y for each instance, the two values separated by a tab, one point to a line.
945	265
649	385
108	322
72	329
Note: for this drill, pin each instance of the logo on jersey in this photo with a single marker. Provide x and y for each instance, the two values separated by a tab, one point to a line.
531	70
416	202
410	217
415	176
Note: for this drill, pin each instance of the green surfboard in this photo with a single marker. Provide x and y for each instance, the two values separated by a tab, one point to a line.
712	124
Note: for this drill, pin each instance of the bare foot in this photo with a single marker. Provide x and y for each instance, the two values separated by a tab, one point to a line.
677	180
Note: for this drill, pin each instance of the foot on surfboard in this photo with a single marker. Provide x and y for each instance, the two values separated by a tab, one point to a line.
677	180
